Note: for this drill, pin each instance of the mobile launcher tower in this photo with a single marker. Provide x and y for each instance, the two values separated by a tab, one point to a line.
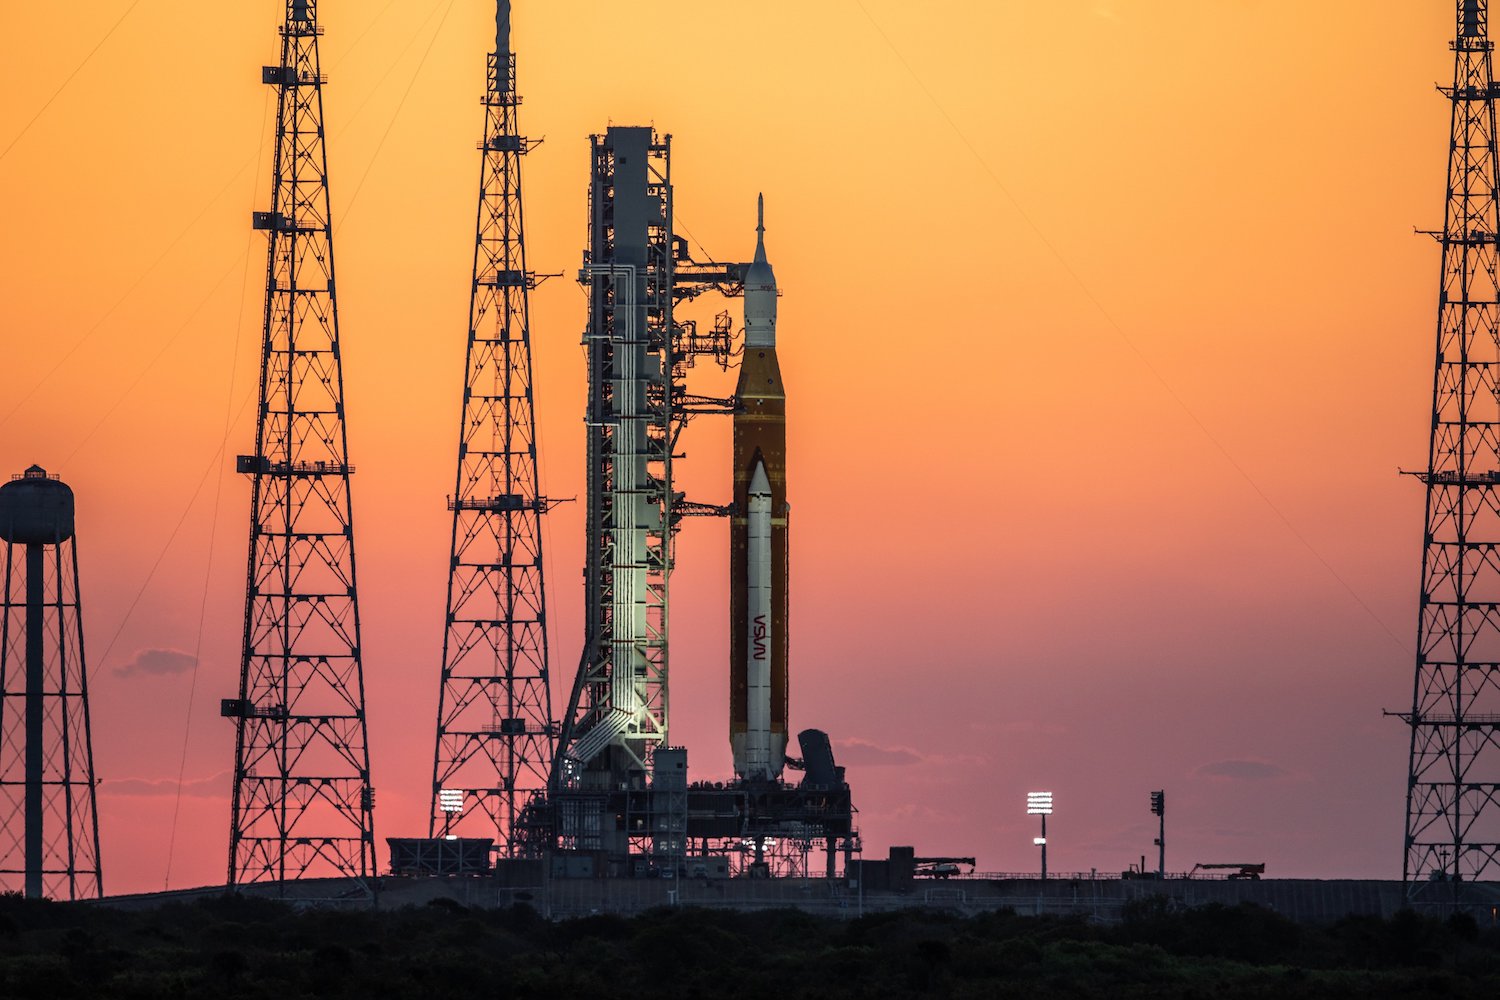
619	798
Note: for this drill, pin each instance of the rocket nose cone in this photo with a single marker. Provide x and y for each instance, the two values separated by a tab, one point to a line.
759	481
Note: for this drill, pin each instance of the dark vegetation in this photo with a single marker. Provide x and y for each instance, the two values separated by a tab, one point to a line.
234	947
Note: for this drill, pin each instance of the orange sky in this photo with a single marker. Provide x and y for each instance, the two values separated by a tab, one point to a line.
1104	329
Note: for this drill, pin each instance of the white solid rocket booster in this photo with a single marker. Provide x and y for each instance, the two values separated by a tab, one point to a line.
758	637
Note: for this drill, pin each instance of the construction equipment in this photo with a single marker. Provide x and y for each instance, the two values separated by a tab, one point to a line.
942	867
1236	869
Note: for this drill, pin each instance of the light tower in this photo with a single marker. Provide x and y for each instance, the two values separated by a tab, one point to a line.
1453	788
1040	804
495	732
49	830
303	804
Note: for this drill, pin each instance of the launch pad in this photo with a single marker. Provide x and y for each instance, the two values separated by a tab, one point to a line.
619	794
665	826
619	801
602	789
653	830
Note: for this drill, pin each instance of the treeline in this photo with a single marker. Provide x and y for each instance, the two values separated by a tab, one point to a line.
247	948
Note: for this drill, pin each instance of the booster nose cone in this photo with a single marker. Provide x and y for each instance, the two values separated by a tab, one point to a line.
760	289
760	486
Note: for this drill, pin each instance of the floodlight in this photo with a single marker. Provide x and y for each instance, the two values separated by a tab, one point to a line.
451	800
1040	804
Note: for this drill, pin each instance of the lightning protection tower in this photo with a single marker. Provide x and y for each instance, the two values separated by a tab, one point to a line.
49	830
303	804
495	732
1453	789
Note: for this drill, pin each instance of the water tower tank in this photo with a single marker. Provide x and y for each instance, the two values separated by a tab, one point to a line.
36	509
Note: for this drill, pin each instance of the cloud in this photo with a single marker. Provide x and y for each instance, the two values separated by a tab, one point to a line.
158	663
1242	770
917	811
1022	727
213	787
866	754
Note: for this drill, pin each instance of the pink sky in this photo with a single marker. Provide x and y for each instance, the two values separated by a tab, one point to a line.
1103	347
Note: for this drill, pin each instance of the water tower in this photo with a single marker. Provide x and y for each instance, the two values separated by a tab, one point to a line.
49	831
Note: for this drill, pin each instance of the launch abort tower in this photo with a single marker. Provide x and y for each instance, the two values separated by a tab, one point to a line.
1453	781
49	830
303	804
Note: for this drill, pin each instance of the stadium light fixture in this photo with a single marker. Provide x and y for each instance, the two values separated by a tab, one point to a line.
1040	804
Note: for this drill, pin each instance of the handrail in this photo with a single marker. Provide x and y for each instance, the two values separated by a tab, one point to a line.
1071	877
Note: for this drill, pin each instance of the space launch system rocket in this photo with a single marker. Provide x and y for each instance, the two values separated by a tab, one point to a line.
758	538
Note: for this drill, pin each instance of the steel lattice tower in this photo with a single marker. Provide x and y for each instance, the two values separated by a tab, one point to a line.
1453	790
303	804
495	731
49	829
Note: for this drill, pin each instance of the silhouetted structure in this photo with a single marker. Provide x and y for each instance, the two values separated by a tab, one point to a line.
49	830
1453	790
495	733
303	804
